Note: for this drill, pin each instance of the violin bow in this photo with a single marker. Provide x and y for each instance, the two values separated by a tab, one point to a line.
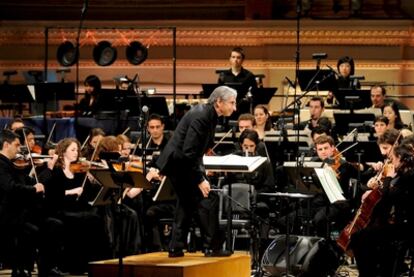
346	149
50	134
85	142
347	136
30	157
126	130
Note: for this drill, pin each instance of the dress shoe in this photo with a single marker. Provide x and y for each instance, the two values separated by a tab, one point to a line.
217	253
175	253
56	272
20	273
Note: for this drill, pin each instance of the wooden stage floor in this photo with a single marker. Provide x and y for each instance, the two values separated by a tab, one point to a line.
191	265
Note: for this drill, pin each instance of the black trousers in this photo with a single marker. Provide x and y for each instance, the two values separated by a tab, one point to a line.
190	204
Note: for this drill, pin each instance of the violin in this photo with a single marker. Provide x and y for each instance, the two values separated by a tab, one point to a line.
83	166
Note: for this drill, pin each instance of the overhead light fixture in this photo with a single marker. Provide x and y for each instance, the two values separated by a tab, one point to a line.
104	54
136	53
67	54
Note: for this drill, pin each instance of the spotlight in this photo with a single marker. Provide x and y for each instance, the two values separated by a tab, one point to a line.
104	54
136	53
67	54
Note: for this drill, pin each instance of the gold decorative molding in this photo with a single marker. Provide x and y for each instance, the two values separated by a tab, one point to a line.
385	33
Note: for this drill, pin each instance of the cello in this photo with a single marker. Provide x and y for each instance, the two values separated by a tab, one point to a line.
363	215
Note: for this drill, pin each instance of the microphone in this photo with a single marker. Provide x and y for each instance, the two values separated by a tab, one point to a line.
302	158
290	82
249	94
333	70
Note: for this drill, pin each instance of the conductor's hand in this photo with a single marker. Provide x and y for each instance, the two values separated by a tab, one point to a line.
204	186
39	187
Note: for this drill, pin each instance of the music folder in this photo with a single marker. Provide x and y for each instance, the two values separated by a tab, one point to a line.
232	163
330	184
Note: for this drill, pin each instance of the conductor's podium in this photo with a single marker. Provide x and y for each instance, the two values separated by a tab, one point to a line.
191	265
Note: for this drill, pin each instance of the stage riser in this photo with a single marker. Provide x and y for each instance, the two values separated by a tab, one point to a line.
191	265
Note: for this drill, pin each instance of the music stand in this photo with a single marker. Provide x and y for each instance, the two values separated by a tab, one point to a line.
16	93
118	180
303	177
324	80
342	120
353	98
368	150
262	95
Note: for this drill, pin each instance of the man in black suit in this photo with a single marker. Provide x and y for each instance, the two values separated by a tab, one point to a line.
17	235
182	161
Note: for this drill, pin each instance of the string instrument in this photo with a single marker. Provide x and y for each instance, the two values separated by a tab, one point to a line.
363	215
338	159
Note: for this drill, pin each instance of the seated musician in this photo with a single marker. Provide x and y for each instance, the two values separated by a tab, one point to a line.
262	120
262	178
246	121
95	135
325	213
16	123
380	125
377	247
316	108
392	112
385	143
154	211
66	198
88	104
18	234
132	233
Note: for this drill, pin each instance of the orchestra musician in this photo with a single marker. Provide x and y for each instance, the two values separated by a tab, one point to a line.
181	161
16	123
66	199
95	135
316	108
87	105
246	121
18	233
379	247
323	212
262	120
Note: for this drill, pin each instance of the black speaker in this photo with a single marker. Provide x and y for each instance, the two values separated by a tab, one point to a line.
308	256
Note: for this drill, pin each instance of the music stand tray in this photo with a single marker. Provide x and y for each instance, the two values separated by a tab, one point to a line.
263	95
353	98
325	78
303	177
54	91
343	120
369	150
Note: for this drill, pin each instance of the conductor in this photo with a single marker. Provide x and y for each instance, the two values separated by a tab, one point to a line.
182	162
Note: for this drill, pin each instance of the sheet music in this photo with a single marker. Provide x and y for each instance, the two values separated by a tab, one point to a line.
330	184
31	89
233	163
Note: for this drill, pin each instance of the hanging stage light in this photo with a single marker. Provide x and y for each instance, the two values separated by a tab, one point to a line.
67	54
136	53
104	54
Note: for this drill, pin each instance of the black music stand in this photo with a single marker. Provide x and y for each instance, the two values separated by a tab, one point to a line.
263	95
312	79
367	150
342	120
353	99
303	177
118	180
46	92
16	93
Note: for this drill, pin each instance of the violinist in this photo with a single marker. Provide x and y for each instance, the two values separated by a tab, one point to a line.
95	135
379	247
16	123
132	234
85	238
18	234
323	212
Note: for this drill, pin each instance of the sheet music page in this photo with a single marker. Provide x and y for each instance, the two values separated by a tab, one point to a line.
330	184
31	89
233	162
